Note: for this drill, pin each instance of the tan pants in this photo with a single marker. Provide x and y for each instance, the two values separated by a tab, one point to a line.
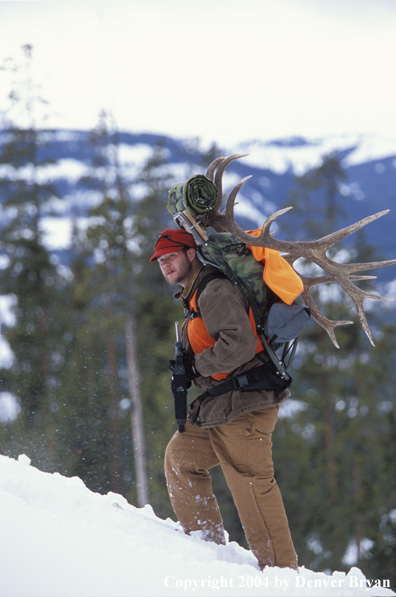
243	450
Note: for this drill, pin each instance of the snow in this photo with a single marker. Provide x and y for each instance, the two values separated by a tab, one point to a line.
301	154
57	232
6	354
7	303
59	539
9	407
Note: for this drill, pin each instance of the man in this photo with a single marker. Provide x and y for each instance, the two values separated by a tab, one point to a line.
226	426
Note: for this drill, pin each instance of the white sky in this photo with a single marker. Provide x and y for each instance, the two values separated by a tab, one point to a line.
220	70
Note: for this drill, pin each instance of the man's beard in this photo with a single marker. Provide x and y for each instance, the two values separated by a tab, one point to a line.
184	272
187	269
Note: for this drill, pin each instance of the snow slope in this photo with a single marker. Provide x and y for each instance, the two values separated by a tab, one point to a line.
59	539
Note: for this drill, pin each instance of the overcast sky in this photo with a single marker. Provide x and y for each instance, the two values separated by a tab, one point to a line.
220	70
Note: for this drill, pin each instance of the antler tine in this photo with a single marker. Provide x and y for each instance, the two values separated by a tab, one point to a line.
338	235
210	174
212	167
348	268
265	236
265	230
229	209
220	222
334	237
358	296
220	171
363	319
328	324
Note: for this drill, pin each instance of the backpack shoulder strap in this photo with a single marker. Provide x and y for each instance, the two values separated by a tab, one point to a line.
194	310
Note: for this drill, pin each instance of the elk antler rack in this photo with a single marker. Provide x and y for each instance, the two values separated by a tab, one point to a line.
315	251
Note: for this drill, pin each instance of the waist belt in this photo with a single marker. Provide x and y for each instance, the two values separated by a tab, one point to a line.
265	377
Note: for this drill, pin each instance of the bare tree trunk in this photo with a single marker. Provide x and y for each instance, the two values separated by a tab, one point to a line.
358	520
116	450
136	416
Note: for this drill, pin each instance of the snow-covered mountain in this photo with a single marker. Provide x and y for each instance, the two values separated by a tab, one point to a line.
369	161
58	539
370	164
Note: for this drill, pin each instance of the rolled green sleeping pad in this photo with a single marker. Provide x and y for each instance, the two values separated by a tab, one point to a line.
197	195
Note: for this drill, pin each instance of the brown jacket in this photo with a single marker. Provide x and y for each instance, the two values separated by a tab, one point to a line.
224	309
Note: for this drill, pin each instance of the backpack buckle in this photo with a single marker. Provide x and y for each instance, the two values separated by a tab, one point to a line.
241	381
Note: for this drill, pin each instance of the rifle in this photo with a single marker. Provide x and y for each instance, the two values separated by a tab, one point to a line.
179	383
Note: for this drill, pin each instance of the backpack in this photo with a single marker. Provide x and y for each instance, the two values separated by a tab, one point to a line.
271	287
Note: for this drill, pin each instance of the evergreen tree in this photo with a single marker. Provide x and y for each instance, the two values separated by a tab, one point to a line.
114	283
316	194
335	488
31	274
101	296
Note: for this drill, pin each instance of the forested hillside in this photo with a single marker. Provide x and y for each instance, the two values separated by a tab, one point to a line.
88	333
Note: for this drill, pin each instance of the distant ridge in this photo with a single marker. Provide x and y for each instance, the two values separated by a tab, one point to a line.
369	161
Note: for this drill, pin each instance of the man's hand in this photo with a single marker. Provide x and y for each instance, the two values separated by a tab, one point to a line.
189	366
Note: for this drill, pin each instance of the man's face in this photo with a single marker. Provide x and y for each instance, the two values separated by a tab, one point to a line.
176	267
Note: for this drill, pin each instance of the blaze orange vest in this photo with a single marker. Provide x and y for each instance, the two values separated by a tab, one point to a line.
200	339
278	274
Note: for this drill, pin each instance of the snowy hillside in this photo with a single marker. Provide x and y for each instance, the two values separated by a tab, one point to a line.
58	539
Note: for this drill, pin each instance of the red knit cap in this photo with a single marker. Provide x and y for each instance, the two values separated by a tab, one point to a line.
170	241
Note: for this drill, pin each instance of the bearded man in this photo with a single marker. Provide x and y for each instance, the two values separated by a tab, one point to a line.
231	422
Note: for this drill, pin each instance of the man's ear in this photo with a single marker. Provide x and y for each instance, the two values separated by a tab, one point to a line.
191	254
